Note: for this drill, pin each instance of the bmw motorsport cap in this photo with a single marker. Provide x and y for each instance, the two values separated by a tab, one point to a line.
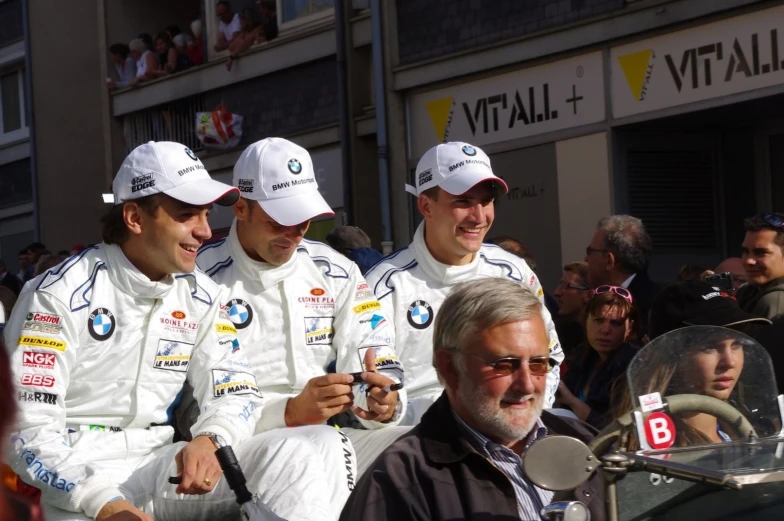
455	166
279	175
169	168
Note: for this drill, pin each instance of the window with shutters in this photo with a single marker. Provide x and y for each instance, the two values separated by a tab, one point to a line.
673	193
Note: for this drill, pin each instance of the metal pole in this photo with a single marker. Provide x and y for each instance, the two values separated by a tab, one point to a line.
28	90
381	124
346	118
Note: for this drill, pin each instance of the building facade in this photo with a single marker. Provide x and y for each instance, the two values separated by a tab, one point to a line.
665	109
16	187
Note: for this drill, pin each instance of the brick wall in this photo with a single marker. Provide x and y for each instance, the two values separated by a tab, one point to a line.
432	28
283	103
10	22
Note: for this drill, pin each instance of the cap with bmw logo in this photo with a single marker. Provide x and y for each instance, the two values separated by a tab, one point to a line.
170	168
279	175
456	167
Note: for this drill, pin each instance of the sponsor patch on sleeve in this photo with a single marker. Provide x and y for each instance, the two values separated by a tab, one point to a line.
225	328
173	355
385	357
38	360
318	331
367	306
234	382
540	292
39	341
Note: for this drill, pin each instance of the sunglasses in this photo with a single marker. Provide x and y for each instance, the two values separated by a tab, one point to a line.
570	286
618	290
538	366
772	219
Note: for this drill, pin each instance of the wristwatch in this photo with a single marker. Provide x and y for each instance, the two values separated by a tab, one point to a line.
216	439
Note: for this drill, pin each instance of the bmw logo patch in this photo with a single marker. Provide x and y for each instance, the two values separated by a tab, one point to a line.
101	324
191	154
295	167
469	150
240	313
420	314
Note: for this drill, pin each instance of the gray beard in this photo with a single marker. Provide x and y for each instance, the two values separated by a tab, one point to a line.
497	422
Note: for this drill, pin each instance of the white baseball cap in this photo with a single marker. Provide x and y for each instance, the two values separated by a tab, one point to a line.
455	166
172	169
279	175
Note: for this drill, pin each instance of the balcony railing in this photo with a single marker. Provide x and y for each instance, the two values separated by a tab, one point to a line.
174	121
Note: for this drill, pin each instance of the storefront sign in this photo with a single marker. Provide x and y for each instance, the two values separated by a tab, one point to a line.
735	55
555	96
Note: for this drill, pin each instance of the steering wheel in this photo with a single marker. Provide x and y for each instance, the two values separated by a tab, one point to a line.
677	404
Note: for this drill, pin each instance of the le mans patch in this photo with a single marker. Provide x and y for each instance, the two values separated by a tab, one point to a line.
385	357
172	355
318	331
225	328
367	306
234	382
38	341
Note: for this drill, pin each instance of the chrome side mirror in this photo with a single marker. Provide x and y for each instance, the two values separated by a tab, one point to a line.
559	463
566	511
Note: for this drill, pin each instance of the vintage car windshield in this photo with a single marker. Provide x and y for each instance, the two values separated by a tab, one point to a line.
717	362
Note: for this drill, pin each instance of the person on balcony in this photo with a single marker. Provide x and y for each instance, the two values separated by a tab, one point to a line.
229	26
146	62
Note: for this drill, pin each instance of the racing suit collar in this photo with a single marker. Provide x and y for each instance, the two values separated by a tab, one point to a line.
438	271
130	280
262	272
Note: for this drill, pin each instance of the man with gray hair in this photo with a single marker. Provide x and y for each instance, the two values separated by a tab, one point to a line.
618	256
490	351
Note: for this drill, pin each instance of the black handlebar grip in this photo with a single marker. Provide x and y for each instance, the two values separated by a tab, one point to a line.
233	474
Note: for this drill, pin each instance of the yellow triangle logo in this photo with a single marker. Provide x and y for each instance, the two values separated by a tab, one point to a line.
439	115
634	67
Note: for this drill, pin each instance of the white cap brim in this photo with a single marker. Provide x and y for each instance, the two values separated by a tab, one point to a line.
460	184
204	191
296	209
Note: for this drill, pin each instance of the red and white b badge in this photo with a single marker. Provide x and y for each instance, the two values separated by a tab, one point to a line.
659	430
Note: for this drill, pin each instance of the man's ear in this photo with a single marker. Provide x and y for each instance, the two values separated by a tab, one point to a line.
425	205
132	216
242	209
445	365
611	260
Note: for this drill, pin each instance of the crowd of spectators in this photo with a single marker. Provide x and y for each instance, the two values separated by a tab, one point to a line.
33	260
147	58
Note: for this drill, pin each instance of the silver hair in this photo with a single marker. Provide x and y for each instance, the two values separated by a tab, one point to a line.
137	45
476	305
625	236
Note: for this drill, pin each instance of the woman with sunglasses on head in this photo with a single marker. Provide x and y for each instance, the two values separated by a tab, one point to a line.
611	328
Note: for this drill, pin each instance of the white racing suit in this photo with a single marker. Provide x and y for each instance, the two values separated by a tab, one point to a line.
411	286
297	319
100	355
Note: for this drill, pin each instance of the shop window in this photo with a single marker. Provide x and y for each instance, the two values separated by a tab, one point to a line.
673	193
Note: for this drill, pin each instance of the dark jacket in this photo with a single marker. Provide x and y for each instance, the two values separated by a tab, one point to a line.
763	301
643	291
11	282
599	397
433	474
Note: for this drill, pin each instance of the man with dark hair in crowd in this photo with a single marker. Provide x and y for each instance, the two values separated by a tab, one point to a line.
229	25
763	261
618	256
355	244
269	18
515	247
24	258
572	294
9	280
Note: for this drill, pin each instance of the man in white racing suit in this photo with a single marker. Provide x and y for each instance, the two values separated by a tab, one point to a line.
101	346
300	307
455	191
